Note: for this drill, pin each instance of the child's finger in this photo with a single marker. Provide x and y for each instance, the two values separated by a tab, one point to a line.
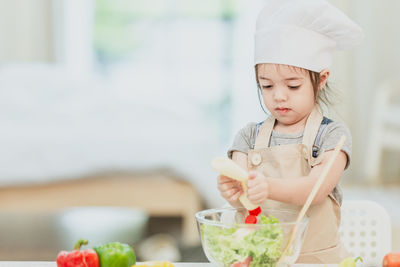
226	187
255	192
252	190
255	195
229	193
252	175
224	179
252	183
257	198
236	196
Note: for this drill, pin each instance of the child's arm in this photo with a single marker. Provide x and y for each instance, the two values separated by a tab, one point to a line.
240	158
295	190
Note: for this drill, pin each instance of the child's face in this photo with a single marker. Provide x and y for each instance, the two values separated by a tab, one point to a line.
287	92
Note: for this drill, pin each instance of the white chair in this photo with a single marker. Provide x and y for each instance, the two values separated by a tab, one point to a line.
383	129
365	230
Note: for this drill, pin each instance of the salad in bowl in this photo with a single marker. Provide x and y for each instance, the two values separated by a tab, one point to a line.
228	242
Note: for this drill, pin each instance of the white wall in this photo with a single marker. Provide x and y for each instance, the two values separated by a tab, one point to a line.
26	30
377	60
361	71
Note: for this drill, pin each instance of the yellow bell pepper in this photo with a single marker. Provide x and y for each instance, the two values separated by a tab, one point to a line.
349	262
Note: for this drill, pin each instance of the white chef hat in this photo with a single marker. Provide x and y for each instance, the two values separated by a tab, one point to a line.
303	33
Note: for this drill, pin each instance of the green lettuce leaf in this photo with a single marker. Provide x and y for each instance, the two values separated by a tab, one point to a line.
229	245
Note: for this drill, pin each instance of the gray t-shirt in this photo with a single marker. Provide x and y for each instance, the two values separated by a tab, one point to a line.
329	137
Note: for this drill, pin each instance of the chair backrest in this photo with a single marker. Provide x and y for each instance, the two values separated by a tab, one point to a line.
365	230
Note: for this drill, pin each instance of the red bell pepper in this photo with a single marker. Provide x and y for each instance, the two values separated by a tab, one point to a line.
77	257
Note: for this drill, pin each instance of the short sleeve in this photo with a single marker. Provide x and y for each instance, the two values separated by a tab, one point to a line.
243	140
331	136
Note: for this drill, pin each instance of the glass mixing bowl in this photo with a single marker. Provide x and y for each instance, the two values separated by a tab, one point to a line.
228	242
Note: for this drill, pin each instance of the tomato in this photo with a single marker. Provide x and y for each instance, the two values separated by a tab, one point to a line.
245	263
391	260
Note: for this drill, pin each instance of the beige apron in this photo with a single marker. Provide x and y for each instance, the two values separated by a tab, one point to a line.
321	243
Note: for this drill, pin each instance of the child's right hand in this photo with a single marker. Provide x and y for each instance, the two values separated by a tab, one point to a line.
230	190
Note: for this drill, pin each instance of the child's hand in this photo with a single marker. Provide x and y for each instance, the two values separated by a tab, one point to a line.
230	189
257	187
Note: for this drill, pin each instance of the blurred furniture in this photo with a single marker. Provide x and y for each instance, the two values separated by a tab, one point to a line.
100	225
366	230
384	130
41	235
158	193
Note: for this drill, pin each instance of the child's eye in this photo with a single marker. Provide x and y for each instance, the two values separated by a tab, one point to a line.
266	86
294	87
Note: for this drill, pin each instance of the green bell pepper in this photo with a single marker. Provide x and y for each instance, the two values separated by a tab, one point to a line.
115	254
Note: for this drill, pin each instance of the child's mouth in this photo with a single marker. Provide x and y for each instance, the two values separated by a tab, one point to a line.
282	110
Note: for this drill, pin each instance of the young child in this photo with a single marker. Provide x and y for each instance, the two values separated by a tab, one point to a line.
285	154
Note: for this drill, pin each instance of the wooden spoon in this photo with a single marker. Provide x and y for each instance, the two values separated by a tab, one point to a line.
314	191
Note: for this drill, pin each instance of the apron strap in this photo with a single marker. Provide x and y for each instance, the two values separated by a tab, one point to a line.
264	133
311	130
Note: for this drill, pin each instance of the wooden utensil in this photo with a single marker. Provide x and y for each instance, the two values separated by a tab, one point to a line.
314	191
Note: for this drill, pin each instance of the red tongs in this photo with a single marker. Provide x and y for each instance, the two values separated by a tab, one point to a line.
229	168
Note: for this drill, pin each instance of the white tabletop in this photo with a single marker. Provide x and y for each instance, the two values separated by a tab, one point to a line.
178	264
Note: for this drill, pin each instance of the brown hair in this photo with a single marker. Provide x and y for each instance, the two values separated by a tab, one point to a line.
323	96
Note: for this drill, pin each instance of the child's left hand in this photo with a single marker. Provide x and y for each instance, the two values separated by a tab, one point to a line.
257	187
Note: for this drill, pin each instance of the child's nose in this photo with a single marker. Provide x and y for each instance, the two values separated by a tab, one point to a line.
280	95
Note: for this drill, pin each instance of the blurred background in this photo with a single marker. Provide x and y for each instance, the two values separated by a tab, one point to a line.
111	112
